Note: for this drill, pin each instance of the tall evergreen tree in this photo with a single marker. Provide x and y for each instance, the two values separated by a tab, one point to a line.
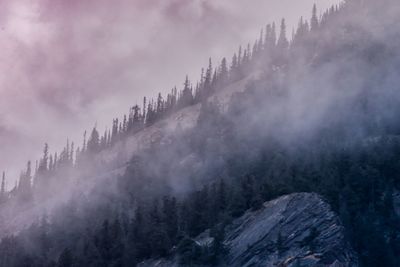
144	109
223	73
207	87
260	43
160	105
186	97
25	184
239	57
283	42
234	69
83	145
114	132
3	196
51	162
314	19
43	165
170	218
94	141
273	35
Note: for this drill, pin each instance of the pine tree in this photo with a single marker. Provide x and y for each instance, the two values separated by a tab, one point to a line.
67	152
255	50
109	140
44	242
84	142
116	235
186	98
3	196
160	105
268	41
170	217
198	219
77	156
144	109
25	184
283	42
201	83
124	124
138	233
158	236
43	165
247	189
273	35
314	19
260	43
218	249
120	130
41	174
234	70
301	33
71	154
103	140
55	163
94	141
214	80
239	58
114	133
246	57
104	241
207	87
51	162
223	73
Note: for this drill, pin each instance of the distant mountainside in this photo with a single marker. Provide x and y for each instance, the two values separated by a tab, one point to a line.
114	160
288	155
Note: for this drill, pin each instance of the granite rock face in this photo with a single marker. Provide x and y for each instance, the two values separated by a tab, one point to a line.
293	230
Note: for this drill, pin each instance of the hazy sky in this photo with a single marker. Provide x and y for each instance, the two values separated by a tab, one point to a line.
66	65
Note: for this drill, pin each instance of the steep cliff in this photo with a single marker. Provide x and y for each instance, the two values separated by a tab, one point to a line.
293	230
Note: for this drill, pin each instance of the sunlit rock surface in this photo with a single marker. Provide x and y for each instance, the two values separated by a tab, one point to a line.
293	230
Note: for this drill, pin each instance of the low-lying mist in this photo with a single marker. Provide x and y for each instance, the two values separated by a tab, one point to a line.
289	115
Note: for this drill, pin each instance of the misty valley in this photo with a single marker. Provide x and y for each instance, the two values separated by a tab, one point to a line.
285	154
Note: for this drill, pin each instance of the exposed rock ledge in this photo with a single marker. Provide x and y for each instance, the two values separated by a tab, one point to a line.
309	234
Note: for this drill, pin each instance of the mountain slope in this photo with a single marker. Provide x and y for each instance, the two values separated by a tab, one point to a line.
320	116
114	160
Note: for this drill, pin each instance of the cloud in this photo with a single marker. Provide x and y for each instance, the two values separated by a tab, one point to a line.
68	64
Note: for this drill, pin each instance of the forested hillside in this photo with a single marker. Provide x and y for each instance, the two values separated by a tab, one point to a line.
317	112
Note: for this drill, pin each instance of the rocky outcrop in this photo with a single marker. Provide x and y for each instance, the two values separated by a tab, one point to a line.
293	230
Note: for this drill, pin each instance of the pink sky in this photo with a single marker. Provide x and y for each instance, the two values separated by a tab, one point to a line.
67	64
